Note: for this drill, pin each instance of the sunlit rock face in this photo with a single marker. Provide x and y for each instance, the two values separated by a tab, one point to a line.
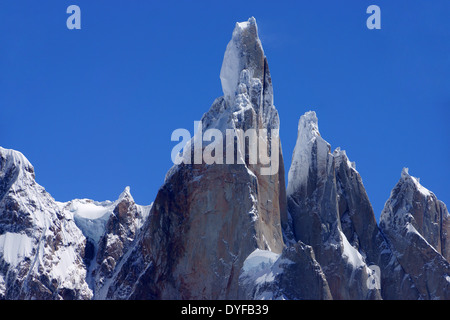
208	218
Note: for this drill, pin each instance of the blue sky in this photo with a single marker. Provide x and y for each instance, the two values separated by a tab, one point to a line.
94	109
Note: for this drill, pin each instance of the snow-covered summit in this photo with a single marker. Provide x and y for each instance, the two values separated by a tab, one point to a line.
328	207
40	249
417	226
415	181
15	157
411	203
126	193
341	156
311	151
244	51
309	124
13	162
245	77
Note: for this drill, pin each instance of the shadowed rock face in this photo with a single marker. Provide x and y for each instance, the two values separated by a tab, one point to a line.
303	278
361	230
121	230
332	213
313	202
293	275
416	225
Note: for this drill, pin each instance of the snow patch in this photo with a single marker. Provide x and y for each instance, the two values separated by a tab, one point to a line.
231	68
88	209
233	64
90	216
258	267
14	247
259	260
352	255
243	25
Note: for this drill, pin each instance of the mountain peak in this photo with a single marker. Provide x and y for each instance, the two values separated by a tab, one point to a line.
250	22
311	150
340	156
416	224
309	124
405	173
405	176
125	194
244	52
15	160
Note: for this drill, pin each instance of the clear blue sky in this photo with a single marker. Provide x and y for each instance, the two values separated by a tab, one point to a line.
94	109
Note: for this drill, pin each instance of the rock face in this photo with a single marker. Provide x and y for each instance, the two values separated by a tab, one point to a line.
416	225
208	217
359	226
293	275
53	250
313	202
110	229
121	230
41	249
331	212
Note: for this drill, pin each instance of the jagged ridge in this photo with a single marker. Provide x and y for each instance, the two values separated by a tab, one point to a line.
223	231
